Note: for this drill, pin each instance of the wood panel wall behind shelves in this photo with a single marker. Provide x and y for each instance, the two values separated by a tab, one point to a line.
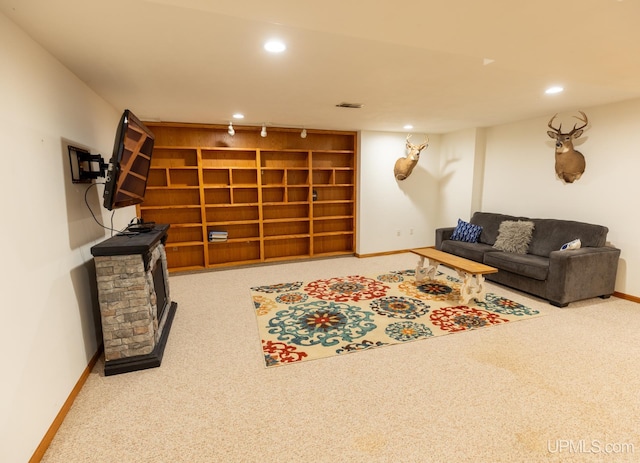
258	189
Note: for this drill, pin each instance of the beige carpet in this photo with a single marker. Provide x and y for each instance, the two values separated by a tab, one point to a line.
557	388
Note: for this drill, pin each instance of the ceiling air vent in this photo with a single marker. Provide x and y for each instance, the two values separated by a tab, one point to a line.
349	105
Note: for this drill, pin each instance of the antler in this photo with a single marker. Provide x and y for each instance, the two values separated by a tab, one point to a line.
582	119
559	129
426	140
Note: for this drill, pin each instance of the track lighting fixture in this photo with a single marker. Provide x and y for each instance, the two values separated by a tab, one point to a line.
303	134
263	132
231	131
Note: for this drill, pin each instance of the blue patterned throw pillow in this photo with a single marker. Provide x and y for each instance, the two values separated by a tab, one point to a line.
467	232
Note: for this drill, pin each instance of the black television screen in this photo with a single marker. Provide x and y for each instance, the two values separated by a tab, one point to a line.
129	165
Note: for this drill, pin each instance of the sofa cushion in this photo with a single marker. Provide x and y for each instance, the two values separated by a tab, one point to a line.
472	251
527	265
550	234
514	236
467	232
490	223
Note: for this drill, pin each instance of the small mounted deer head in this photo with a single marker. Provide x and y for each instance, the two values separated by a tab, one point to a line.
404	166
570	163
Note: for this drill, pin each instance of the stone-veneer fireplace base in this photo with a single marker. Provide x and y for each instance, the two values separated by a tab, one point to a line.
135	303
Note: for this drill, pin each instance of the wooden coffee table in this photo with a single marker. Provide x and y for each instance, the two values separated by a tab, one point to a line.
469	271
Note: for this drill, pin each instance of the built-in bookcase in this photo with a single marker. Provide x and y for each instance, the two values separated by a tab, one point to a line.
276	198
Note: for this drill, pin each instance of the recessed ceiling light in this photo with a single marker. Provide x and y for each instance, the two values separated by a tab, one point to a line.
408	127
552	90
238	116
275	46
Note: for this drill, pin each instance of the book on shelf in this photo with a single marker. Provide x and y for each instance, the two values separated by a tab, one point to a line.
218	235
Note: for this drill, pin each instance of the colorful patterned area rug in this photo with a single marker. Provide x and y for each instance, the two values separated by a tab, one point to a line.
301	321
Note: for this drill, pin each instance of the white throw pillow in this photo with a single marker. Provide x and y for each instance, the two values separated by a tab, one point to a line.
575	244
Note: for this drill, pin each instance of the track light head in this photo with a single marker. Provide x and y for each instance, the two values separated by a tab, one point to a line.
231	131
263	132
303	134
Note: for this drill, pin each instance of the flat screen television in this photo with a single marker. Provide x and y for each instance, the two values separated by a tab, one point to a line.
126	179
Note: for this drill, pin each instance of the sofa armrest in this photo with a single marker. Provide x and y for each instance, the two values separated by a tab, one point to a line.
581	273
443	234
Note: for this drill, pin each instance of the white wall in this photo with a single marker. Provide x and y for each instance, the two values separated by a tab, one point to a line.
445	185
509	169
520	178
459	178
387	207
50	319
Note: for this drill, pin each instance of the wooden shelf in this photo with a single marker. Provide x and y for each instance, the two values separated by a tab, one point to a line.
277	198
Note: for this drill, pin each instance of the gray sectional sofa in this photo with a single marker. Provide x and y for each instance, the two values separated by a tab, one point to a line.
544	270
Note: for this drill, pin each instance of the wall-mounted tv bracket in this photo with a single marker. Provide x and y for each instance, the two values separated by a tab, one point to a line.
85	166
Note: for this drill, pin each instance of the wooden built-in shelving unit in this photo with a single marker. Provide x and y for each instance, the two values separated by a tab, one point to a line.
278	198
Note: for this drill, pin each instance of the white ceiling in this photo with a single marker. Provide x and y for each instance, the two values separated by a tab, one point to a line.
422	62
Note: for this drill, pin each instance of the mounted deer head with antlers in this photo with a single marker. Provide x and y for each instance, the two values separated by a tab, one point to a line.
570	163
404	166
